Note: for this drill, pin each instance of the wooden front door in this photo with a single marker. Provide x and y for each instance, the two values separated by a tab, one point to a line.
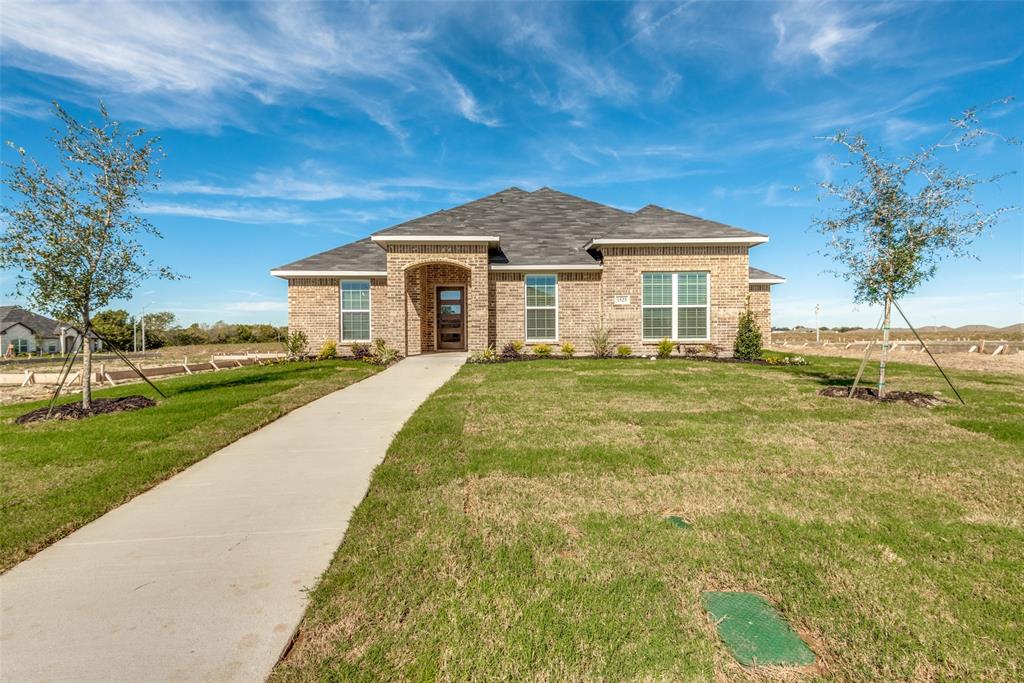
451	318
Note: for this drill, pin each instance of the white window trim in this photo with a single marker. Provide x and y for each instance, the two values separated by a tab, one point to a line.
341	311
527	307
675	306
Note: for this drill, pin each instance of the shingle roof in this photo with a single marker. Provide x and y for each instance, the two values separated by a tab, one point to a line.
540	228
758	274
362	255
655	222
38	324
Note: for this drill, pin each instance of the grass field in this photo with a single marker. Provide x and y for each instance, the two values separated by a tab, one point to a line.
56	476
516	532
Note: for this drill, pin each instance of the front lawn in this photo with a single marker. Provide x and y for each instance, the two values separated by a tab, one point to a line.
516	529
57	476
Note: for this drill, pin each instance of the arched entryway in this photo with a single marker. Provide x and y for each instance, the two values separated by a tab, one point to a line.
437	315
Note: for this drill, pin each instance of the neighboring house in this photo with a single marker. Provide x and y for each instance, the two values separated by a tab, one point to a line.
28	332
540	266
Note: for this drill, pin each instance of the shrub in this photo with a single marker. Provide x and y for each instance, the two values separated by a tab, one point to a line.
568	349
624	351
488	355
709	350
360	350
382	354
295	344
785	360
665	348
512	350
748	338
599	342
328	351
542	350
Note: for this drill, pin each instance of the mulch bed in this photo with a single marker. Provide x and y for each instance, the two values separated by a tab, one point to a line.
913	398
74	411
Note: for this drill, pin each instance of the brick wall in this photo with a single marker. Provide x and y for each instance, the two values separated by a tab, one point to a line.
761	305
623	268
402	305
314	308
408	279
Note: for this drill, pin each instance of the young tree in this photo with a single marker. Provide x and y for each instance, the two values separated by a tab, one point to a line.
73	238
896	218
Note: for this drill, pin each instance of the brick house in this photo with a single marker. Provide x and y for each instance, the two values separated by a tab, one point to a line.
542	266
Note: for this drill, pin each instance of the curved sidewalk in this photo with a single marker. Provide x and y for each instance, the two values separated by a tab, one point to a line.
204	577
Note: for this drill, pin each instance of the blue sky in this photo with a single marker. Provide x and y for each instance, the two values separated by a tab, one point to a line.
293	128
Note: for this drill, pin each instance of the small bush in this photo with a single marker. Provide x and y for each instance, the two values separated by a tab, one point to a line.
512	350
360	350
328	351
624	351
785	360
709	350
665	348
748	337
295	344
542	350
488	355
568	349
599	343
382	354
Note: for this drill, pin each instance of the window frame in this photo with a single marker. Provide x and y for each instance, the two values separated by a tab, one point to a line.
342	310
675	306
527	308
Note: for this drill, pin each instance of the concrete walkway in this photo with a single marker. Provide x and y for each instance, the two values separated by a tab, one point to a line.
203	578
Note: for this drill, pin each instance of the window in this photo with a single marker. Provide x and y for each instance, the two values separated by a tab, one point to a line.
355	310
20	345
541	308
676	306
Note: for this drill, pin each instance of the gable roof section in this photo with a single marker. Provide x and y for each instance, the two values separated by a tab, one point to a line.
362	257
532	230
655	224
763	277
37	324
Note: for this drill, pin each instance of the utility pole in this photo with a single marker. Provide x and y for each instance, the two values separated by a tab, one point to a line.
817	326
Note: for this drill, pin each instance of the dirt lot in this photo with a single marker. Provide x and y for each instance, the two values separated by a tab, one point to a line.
1012	363
159	357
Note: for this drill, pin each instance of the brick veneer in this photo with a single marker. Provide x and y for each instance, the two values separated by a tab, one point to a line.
761	305
728	269
314	308
402	305
409	278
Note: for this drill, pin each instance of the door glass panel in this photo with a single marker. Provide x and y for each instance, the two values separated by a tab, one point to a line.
450	294
451	309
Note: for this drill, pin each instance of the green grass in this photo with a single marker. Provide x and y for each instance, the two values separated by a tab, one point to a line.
57	476
517	530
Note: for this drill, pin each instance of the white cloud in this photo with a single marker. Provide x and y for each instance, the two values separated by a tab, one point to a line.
184	55
229	213
256	306
821	31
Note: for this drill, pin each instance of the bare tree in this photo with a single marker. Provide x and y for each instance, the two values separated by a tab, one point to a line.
897	218
73	238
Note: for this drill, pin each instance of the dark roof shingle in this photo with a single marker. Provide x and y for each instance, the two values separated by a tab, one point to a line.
540	228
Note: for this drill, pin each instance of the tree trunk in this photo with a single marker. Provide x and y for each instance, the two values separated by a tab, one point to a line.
885	345
86	371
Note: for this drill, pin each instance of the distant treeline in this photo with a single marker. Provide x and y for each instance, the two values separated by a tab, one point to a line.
123	331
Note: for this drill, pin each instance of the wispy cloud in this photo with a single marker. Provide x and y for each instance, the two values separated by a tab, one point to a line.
232	213
825	32
256	306
187	57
